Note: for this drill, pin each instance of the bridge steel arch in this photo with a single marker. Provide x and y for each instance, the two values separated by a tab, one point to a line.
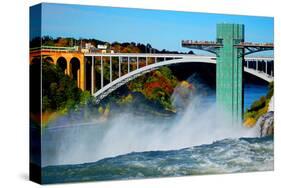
115	84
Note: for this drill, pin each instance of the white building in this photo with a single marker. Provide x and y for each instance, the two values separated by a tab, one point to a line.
102	47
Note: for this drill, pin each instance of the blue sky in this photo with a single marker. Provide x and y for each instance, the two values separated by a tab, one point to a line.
162	29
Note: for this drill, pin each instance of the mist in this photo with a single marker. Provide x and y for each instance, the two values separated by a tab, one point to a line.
199	122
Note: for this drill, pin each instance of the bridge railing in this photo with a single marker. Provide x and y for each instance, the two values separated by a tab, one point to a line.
253	44
183	55
55	48
203	43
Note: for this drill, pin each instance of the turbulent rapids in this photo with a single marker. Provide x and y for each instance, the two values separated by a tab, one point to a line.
225	156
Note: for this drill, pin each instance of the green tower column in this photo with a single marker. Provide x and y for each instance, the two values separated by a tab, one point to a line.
229	73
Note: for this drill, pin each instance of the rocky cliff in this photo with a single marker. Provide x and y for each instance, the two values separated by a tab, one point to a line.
266	121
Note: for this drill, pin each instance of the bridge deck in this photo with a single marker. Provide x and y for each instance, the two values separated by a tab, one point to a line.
261	58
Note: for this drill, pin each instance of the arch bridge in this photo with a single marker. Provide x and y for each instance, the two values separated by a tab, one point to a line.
82	66
139	64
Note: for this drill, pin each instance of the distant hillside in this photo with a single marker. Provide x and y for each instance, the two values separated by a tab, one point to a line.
126	47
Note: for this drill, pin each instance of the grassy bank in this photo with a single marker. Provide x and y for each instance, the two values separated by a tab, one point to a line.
258	108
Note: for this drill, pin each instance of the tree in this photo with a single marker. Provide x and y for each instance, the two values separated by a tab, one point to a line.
58	90
191	52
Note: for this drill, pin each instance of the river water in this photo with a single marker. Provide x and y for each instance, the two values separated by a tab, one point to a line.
197	141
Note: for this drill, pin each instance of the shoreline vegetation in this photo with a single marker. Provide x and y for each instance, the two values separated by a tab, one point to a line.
258	108
261	113
61	96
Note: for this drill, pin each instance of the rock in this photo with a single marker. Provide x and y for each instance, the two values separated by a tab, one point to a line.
271	104
266	124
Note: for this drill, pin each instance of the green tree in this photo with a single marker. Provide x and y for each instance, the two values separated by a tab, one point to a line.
59	91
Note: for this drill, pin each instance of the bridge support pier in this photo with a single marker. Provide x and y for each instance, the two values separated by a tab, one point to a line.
101	72
93	80
110	67
257	65
82	83
266	67
128	64
119	66
78	78
68	68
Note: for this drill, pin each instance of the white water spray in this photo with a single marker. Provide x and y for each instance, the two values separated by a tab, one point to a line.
197	125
